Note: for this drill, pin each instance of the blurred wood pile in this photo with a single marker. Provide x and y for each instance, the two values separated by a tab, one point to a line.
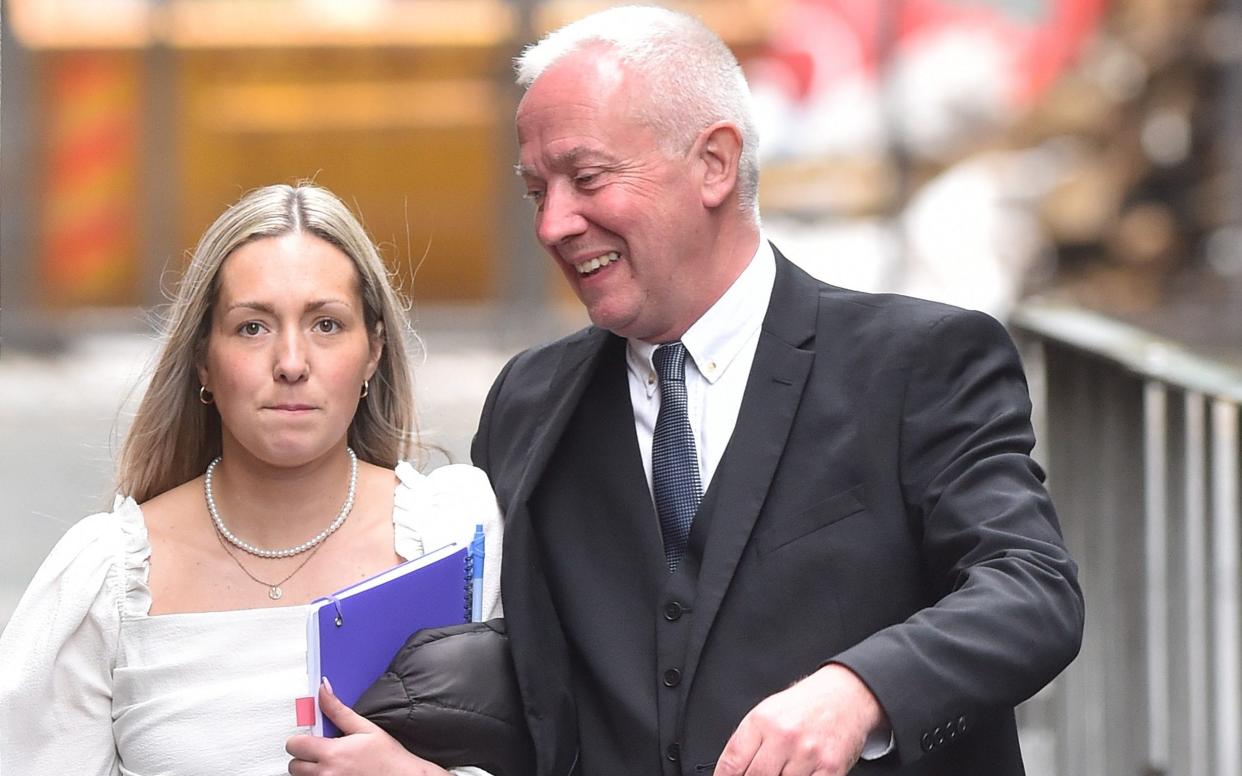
1141	116
1145	209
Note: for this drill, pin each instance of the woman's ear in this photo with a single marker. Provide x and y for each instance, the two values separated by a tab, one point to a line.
719	153
377	349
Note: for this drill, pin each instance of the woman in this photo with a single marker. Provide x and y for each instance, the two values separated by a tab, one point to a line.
263	469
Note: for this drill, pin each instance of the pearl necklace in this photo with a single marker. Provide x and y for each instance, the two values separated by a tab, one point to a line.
287	552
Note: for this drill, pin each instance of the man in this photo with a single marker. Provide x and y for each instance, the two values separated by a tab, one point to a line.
817	534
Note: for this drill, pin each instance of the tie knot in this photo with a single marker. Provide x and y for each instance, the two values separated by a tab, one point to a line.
670	362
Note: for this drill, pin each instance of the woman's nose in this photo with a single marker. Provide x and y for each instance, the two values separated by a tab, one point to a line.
292	364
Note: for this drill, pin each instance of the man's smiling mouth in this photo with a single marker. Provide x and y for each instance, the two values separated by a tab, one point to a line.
597	263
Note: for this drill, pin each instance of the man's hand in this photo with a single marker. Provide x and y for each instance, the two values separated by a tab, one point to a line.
364	750
818	726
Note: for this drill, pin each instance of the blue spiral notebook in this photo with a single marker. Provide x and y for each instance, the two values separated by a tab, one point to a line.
352	635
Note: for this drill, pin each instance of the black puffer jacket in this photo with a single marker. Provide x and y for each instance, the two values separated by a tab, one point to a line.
451	696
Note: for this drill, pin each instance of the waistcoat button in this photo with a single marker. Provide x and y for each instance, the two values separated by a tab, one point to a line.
672	611
672	677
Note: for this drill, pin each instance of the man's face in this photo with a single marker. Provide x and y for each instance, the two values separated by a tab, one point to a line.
623	219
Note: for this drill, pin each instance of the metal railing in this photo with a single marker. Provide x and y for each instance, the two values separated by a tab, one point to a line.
1140	438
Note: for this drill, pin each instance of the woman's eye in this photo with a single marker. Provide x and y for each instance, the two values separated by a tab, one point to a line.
251	328
327	326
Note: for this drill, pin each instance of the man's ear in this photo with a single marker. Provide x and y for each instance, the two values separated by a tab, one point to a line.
719	153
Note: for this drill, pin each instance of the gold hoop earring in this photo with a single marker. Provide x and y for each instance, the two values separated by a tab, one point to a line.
366	388
205	396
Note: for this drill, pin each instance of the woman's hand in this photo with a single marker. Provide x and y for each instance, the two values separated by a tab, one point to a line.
364	750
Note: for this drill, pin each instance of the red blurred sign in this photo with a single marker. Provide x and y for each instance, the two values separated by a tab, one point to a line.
88	211
820	40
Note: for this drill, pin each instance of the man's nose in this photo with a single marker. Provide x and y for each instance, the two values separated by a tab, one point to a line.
292	364
559	216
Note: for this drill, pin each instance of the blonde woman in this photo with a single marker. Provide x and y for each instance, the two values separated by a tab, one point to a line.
264	468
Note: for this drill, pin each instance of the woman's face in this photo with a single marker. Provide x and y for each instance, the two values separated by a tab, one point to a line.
288	349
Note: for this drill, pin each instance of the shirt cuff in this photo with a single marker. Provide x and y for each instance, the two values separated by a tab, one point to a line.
879	742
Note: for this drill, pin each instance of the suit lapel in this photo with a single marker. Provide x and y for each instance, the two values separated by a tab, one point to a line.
573	375
782	363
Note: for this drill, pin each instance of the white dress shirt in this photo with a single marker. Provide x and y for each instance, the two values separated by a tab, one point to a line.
721	348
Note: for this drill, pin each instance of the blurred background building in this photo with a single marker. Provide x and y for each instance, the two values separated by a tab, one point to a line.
1073	167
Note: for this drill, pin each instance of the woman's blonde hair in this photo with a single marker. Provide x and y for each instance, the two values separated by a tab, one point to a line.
174	435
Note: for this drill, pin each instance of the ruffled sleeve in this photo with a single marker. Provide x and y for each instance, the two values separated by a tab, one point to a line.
443	507
58	652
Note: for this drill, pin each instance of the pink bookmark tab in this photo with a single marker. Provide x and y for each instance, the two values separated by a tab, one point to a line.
305	711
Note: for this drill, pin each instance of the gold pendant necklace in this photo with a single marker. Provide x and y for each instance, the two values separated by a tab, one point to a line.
274	590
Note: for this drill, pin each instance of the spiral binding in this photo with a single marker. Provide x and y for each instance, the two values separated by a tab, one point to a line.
469	588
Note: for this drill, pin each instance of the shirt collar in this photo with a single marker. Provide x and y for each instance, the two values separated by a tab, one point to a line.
716	338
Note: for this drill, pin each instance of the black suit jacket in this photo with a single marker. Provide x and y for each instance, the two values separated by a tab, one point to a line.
876	506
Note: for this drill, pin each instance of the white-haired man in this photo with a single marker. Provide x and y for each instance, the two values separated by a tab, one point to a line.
755	523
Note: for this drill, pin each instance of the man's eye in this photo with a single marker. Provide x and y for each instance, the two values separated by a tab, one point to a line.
586	178
534	195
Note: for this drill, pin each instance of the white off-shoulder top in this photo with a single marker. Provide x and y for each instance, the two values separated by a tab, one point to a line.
92	683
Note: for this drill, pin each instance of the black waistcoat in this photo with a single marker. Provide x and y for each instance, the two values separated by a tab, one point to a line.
625	617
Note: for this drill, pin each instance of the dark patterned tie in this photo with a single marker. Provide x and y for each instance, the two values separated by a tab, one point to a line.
674	461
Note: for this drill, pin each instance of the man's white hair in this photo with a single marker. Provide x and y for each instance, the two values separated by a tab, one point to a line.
693	77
